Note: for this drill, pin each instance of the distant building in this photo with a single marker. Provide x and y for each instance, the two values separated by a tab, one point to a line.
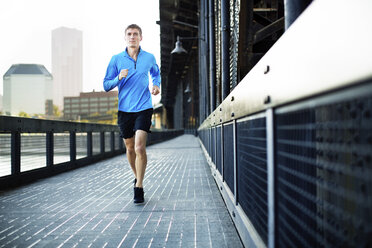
67	63
88	104
1	103
49	107
27	88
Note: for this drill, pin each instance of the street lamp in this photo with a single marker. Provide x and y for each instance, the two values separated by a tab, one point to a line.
178	48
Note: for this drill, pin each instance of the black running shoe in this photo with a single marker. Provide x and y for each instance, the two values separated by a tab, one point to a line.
138	195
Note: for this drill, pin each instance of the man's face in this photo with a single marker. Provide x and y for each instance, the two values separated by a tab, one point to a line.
133	37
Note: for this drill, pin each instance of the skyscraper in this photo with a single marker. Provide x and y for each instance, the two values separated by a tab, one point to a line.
67	63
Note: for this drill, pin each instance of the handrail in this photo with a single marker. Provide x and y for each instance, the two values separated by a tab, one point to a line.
80	138
11	124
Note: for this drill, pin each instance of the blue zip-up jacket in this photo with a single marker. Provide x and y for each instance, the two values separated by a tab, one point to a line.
134	93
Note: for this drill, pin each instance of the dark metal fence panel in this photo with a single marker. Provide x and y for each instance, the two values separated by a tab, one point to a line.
219	149
205	136
162	135
33	151
205	142
5	153
96	143
252	171
228	155
209	140
61	148
213	145
81	145
322	169
324	172
108	141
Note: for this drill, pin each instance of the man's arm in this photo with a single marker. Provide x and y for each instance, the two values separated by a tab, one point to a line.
155	74
112	78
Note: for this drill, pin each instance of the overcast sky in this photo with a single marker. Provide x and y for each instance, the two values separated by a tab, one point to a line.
26	25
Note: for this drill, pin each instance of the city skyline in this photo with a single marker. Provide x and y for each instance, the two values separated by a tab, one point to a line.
67	63
28	39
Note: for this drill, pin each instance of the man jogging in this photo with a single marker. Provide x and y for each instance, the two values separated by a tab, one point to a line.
129	71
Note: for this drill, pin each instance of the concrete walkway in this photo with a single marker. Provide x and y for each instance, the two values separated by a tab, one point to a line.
92	206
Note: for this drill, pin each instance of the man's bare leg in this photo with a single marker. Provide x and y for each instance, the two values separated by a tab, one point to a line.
141	156
131	154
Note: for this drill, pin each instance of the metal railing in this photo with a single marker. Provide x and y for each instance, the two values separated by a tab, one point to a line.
291	149
32	148
302	171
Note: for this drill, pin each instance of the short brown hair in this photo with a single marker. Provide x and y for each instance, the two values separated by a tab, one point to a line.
135	26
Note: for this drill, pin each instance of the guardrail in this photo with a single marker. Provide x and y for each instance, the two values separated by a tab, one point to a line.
31	149
291	147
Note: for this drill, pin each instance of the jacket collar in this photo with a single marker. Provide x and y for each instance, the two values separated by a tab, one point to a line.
126	52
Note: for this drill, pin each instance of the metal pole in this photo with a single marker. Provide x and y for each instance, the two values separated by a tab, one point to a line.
102	142
202	113
16	153
112	140
270	176
212	57
72	145
89	144
225	57
49	148
293	9
205	57
235	137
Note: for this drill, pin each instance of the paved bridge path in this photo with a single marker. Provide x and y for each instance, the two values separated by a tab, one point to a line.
93	206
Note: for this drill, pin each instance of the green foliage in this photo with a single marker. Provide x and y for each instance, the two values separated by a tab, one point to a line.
24	114
56	111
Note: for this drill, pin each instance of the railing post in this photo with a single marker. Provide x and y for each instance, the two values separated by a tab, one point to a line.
72	145
270	176
215	146
112	140
49	149
102	142
16	153
89	144
222	154
235	163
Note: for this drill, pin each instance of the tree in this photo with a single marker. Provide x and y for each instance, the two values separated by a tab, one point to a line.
56	111
24	114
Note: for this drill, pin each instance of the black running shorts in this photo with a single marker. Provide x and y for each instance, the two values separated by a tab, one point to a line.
129	122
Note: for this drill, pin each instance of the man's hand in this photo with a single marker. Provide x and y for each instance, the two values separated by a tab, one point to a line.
123	73
155	90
